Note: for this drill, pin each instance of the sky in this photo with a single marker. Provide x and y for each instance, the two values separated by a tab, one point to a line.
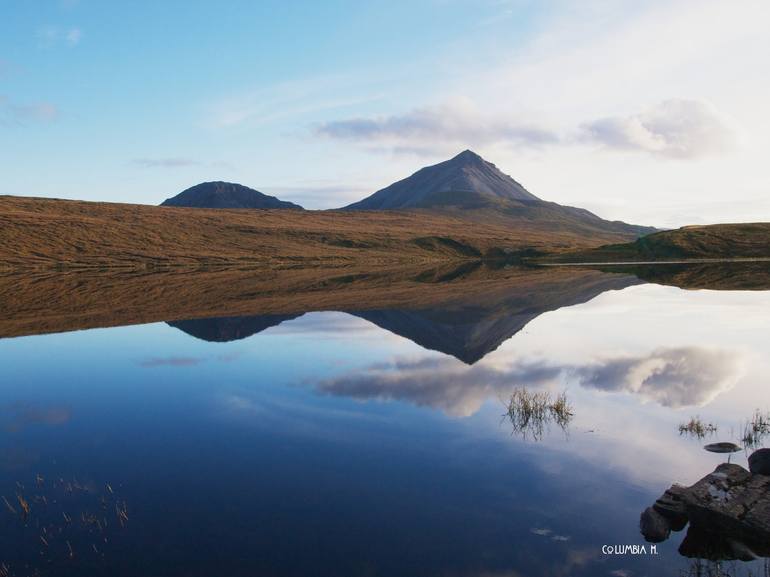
650	112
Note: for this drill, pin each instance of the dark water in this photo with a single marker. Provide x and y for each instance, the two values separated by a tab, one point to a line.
372	442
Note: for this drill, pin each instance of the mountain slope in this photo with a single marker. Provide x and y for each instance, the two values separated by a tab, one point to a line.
225	195
714	241
469	187
470	330
47	233
466	180
226	329
465	326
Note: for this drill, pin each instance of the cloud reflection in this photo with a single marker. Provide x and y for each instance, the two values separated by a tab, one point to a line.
672	377
441	383
170	362
17	416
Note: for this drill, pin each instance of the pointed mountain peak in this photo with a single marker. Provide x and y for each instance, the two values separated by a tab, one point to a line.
467	155
465	180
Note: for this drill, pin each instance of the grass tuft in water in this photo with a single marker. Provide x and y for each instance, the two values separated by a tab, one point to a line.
697	428
756	429
531	412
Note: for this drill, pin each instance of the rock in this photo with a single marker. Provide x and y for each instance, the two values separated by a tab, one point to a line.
672	507
759	462
700	544
654	526
728	511
722	448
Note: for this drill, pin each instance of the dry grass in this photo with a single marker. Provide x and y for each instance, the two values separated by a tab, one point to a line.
716	241
695	427
756	429
55	301
531	412
45	233
712	276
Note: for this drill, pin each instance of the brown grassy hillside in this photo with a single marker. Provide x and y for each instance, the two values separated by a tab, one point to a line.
44	233
715	241
37	302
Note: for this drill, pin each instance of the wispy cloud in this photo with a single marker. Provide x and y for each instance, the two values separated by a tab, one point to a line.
19	415
282	101
674	128
21	113
165	162
73	36
52	36
455	123
170	362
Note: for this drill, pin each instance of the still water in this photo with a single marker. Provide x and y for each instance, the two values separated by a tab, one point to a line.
373	442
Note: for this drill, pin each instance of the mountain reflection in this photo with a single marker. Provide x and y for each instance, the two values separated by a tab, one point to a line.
465	310
465	326
225	329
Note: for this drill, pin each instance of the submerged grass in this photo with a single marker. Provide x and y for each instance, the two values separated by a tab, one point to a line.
697	428
531	412
756	429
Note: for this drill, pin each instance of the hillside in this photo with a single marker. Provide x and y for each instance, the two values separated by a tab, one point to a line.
226	195
473	308
715	241
470	185
45	233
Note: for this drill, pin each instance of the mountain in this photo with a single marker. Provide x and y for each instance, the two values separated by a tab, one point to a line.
470	185
226	329
471	329
226	195
467	327
465	180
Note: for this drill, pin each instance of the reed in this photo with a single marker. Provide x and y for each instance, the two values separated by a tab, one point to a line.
531	412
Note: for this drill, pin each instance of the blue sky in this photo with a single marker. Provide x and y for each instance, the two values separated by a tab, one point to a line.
647	112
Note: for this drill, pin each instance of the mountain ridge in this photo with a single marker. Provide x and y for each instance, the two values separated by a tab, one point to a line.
445	182
468	185
220	194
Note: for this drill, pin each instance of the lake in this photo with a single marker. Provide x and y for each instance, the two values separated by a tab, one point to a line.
362	427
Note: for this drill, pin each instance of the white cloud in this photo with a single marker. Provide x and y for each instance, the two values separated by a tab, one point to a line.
453	124
51	36
672	377
659	80
675	128
73	36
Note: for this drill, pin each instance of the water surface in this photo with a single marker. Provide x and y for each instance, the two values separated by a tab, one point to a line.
372	441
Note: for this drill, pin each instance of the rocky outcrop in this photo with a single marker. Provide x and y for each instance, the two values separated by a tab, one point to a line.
759	462
728	513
